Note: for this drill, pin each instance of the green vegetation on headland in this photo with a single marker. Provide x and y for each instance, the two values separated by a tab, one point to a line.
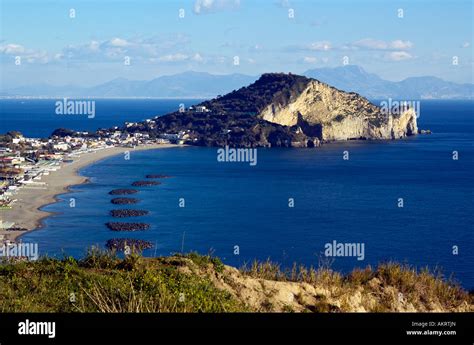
103	282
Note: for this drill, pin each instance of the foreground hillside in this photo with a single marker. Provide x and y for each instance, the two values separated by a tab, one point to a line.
101	282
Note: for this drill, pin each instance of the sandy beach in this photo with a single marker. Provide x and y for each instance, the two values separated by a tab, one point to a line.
26	212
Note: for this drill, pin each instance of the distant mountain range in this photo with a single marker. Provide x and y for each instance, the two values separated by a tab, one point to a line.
182	85
356	79
349	78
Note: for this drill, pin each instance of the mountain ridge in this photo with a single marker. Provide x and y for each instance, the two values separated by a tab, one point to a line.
189	84
192	84
370	85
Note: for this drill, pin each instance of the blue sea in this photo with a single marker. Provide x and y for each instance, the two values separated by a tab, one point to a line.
37	118
235	204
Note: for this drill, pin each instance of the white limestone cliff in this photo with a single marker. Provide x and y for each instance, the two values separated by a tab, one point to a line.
332	114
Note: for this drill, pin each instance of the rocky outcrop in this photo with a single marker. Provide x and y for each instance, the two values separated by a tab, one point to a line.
283	110
323	111
387	288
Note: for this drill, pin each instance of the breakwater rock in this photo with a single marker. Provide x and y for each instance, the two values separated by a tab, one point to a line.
123	191
145	183
157	176
116	226
124	201
128	213
133	244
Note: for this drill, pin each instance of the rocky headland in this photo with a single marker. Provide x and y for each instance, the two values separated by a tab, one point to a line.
283	110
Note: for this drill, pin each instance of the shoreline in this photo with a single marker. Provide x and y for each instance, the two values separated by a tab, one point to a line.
26	211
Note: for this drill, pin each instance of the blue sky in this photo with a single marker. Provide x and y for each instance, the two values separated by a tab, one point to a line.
95	45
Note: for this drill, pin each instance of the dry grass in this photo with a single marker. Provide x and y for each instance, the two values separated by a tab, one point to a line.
389	287
297	273
102	282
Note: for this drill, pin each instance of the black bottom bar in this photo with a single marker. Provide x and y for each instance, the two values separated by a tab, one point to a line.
243	328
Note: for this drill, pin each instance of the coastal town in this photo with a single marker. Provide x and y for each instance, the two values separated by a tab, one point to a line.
27	163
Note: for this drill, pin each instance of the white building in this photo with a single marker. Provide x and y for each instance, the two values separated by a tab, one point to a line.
61	146
202	109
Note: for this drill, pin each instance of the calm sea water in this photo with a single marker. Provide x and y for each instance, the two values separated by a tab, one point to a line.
234	204
38	118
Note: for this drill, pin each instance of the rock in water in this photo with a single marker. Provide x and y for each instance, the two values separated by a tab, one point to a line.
128	213
145	183
133	244
124	201
127	226
157	176
123	191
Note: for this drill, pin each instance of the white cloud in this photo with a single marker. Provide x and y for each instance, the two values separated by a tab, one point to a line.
398	56
28	55
320	46
466	45
369	43
163	48
58	56
314	46
173	57
372	44
363	44
310	59
399	44
179	57
118	42
146	49
210	6
12	49
198	58
94	45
